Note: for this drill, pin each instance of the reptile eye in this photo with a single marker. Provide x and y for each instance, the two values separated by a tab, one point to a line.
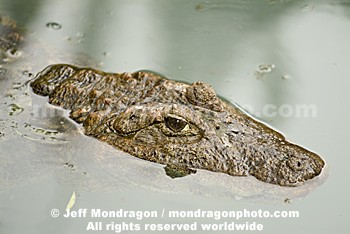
175	124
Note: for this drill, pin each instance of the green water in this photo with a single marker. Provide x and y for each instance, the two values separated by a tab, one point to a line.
287	62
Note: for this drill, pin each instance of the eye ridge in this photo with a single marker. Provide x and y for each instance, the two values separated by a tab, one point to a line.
175	124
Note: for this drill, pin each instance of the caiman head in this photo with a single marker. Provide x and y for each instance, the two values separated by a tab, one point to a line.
182	126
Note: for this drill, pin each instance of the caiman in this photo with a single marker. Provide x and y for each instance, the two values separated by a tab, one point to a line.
182	126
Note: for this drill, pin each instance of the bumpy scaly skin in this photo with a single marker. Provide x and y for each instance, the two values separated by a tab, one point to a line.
183	126
10	39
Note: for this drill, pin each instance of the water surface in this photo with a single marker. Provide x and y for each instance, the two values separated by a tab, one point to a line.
273	58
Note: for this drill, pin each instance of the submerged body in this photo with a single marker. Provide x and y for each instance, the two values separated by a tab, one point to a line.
182	126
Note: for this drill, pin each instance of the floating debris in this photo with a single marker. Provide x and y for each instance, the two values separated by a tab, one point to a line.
286	77
15	109
13	53
54	25
264	69
71	202
287	200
